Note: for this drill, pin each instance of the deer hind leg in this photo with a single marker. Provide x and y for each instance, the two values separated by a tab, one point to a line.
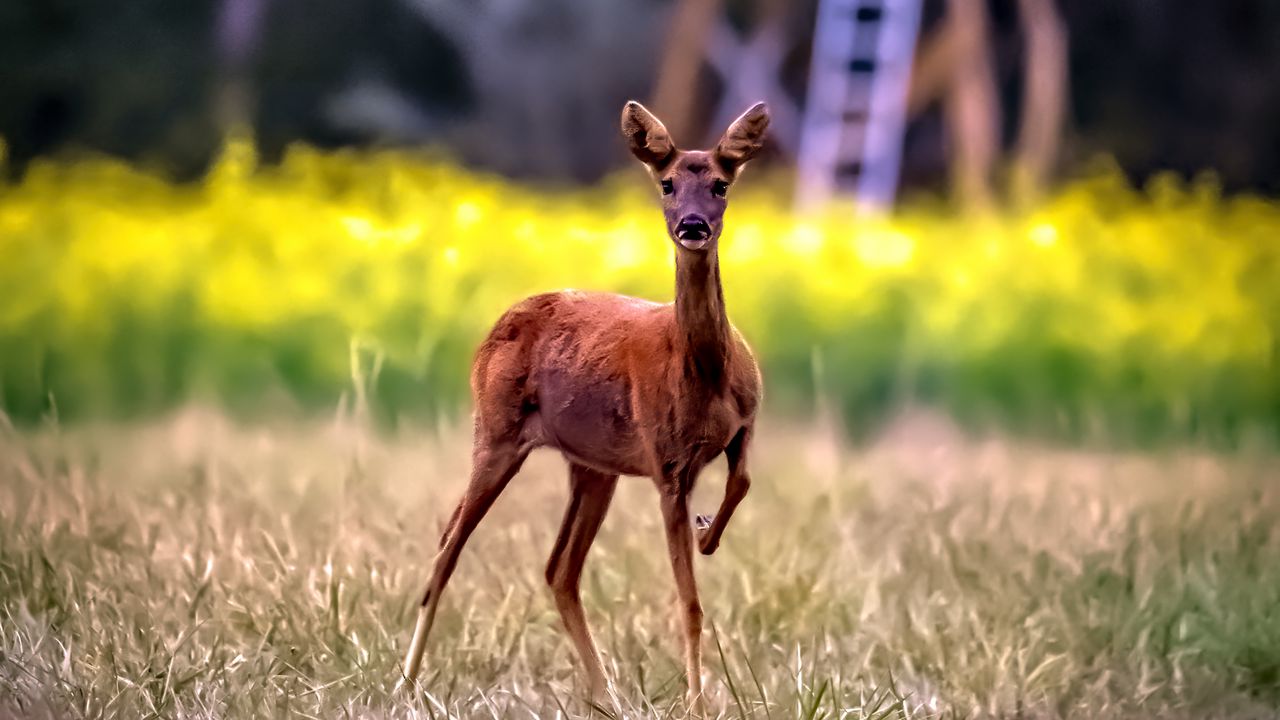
736	487
675	515
495	463
590	492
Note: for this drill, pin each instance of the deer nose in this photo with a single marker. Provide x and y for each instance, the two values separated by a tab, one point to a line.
693	227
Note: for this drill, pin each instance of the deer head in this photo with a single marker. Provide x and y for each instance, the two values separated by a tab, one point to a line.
694	183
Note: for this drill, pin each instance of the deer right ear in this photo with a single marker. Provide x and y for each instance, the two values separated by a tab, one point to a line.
646	136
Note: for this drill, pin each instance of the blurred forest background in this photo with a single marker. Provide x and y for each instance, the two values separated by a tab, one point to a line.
1018	444
531	89
310	203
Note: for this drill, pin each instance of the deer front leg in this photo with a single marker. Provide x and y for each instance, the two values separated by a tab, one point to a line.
736	487
675	516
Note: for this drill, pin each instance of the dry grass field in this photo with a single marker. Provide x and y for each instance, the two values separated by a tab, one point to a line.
193	567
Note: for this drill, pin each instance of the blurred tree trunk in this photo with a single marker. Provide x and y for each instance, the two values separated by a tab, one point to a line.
675	91
954	66
933	69
971	107
238	31
1043	97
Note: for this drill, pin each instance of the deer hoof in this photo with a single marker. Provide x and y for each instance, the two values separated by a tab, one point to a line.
706	541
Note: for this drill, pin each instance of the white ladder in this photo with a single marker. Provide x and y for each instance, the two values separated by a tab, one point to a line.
856	103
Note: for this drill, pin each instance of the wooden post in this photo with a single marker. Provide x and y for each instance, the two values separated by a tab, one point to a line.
239	31
971	107
1044	94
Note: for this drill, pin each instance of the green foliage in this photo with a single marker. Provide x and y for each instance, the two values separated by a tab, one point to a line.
1104	313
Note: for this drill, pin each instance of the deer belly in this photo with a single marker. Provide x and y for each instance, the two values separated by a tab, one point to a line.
591	422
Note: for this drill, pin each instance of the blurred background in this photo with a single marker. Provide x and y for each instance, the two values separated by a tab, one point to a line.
1055	219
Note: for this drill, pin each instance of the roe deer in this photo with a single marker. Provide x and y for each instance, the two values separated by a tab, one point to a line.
621	386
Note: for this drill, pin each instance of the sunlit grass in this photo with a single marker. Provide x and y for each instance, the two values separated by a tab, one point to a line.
1104	313
193	568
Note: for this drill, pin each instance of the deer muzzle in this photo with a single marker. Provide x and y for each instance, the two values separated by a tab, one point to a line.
693	232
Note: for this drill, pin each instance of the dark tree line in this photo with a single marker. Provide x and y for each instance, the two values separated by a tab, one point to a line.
531	88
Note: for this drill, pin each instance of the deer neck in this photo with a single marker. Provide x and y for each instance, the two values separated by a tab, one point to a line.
702	324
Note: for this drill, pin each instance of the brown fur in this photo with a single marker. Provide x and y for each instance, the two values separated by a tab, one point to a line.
621	386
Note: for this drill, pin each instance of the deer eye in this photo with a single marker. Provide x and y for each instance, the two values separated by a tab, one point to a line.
719	188
668	187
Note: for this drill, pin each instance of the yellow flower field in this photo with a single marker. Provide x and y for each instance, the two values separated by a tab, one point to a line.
1105	313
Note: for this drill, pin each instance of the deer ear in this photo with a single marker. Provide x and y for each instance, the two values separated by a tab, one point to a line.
646	135
744	138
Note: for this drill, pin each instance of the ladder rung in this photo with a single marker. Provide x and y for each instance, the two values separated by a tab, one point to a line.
862	65
869	13
848	169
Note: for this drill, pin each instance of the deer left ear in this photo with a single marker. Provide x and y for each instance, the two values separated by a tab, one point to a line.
646	136
744	138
